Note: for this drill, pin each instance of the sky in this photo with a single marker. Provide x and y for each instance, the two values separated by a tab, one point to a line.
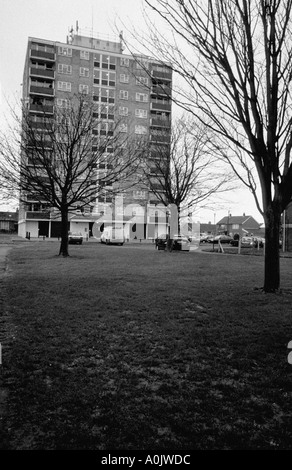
52	19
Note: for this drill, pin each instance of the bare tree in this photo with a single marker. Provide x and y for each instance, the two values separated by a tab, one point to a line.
66	160
183	172
235	60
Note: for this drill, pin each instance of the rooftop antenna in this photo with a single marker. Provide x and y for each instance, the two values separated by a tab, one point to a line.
121	41
77	27
71	35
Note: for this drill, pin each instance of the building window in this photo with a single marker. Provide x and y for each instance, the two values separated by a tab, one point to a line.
108	78
108	62
106	128
142	64
124	95
139	194
123	111
124	78
62	103
107	112
106	95
96	60
141	80
84	55
83	72
123	127
83	89
141	113
42	47
235	226
96	77
64	68
142	130
64	86
125	61
65	51
142	97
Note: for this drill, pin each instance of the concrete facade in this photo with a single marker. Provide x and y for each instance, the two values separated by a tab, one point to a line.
133	87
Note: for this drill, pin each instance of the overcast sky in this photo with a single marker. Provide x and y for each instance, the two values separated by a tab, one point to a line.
51	19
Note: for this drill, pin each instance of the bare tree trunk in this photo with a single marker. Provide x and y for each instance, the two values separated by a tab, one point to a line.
64	234
272	255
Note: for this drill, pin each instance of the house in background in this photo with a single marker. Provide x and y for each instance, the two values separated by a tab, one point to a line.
287	228
243	225
8	222
209	229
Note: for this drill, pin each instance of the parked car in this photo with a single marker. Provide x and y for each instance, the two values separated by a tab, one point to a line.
222	238
206	238
247	242
75	238
180	242
113	235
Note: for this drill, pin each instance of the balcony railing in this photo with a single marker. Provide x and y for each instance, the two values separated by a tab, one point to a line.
159	123
164	139
40	125
37	215
40	90
154	106
161	90
49	56
45	73
159	74
43	109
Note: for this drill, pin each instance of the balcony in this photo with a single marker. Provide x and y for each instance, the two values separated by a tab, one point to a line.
40	126
44	73
161	90
156	106
41	90
160	139
46	56
163	75
43	109
37	215
160	123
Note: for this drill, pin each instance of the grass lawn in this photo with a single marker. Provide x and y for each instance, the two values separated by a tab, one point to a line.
132	348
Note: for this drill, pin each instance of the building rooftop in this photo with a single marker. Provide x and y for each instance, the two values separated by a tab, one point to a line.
94	40
238	219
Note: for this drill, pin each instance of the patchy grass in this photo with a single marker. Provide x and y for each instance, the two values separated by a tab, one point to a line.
130	348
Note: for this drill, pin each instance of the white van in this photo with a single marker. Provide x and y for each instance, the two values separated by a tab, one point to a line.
113	234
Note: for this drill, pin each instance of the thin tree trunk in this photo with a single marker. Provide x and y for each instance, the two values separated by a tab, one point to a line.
272	255
64	234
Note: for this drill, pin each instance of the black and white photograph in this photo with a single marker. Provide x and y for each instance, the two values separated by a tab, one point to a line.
145	229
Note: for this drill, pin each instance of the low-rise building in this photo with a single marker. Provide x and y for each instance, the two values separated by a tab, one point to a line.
8	222
242	225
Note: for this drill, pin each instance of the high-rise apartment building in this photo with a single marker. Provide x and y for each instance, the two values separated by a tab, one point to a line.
125	85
